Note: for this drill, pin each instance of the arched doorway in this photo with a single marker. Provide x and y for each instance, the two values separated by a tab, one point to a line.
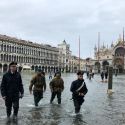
52	70
40	67
36	68
118	63
118	60
0	67
5	68
75	69
67	70
43	68
32	67
105	65
20	68
48	68
120	68
97	67
120	51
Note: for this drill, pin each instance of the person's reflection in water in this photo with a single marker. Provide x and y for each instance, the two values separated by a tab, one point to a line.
36	115
12	122
78	120
55	114
8	123
15	122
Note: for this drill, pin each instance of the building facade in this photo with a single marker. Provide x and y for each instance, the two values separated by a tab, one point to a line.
27	54
64	57
113	55
34	56
78	64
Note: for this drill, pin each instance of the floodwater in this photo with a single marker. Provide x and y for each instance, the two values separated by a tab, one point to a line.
99	108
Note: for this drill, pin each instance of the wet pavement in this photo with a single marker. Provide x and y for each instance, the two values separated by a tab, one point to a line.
98	108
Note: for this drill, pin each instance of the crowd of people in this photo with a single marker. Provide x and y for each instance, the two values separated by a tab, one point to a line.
104	75
12	89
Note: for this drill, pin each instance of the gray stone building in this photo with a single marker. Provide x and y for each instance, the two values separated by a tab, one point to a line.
27	54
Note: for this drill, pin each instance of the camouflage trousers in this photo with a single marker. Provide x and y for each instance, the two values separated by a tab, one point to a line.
38	95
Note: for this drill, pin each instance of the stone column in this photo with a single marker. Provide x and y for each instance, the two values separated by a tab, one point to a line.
110	79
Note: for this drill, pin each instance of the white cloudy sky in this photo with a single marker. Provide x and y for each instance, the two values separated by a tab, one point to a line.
52	21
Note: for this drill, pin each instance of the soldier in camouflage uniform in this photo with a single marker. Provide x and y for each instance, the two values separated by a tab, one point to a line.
38	83
56	86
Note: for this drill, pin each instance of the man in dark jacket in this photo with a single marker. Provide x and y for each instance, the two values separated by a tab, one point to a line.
79	90
12	90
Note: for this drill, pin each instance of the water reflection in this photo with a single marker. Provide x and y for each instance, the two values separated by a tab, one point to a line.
56	112
36	115
78	120
12	122
100	109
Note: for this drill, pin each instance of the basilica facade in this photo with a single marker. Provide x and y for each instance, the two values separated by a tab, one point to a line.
113	55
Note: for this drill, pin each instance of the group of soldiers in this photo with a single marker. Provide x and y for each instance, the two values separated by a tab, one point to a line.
12	89
38	86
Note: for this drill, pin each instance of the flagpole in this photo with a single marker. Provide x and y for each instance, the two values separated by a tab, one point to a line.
123	51
79	52
98	44
123	35
98	50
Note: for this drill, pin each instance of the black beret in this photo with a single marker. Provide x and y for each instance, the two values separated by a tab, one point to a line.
80	72
13	63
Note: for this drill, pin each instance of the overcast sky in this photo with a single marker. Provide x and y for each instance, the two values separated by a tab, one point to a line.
52	21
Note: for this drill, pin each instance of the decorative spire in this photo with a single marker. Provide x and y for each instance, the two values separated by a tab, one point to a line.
64	42
120	38
123	36
103	45
112	45
95	48
98	45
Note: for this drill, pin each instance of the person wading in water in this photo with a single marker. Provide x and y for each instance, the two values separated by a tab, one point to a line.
56	87
79	90
11	90
38	84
